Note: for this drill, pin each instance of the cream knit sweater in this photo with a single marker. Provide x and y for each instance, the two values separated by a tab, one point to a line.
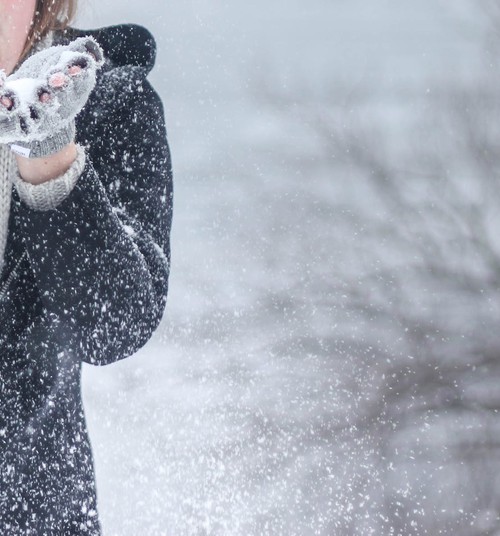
7	163
44	196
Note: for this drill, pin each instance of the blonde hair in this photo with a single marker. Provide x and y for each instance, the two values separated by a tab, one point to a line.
49	15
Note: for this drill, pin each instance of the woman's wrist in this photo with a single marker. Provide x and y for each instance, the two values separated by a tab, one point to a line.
39	170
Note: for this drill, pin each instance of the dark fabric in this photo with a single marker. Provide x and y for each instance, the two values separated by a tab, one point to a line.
90	285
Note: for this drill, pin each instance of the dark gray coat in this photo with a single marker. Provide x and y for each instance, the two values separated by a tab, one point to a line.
84	282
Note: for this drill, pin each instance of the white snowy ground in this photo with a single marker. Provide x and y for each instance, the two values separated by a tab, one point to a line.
226	423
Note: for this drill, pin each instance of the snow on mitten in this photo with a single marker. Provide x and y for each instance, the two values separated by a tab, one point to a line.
39	102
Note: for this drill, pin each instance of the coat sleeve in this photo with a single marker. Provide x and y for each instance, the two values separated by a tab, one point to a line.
101	258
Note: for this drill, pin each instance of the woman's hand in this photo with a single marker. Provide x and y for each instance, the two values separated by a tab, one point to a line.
39	102
38	170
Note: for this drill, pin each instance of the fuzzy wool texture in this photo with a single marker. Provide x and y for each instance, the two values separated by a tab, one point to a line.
35	127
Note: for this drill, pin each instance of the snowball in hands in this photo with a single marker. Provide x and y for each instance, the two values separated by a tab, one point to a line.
39	102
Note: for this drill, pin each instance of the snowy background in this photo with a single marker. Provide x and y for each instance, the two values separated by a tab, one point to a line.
328	362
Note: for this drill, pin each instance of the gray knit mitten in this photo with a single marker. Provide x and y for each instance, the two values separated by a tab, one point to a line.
39	102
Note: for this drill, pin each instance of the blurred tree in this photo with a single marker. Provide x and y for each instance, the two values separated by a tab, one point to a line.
420	273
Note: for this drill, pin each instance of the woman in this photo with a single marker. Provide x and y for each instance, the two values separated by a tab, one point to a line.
85	218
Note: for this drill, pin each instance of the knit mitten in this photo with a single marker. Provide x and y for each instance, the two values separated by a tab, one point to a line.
39	102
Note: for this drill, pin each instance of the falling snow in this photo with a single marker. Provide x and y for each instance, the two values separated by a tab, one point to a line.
326	363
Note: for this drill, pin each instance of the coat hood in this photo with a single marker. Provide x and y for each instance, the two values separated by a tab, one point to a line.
129	53
123	44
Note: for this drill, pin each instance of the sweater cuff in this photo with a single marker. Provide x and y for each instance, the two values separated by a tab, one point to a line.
48	195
